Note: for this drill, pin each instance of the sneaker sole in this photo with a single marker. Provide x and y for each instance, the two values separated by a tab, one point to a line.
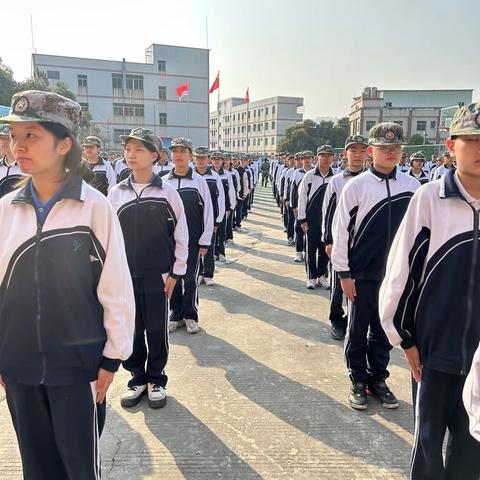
358	407
193	332
389	406
132	401
157	403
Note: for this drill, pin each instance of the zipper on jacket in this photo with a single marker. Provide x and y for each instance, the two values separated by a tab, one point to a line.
389	231
39	304
471	289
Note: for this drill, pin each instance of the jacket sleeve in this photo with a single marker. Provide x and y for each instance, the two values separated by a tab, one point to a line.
180	235
232	193
294	193
115	292
328	210
221	200
471	396
400	287
302	200
206	238
343	229
245	185
111	177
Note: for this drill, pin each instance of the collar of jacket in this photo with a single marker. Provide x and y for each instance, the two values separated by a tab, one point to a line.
207	172
188	175
317	172
98	162
449	187
348	173
73	190
381	176
221	171
155	181
3	162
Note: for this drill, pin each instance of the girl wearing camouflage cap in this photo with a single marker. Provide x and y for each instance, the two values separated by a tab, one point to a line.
67	313
10	173
153	221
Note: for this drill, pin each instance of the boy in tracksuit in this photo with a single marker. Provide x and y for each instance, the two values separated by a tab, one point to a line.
310	199
230	198
236	185
195	195
153	222
356	151
368	214
244	191
217	195
67	308
306	159
10	173
104	176
163	166
429	304
285	195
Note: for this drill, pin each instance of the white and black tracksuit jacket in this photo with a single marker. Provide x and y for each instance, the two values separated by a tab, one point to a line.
296	179
230	194
330	201
430	293
162	170
66	299
154	228
422	177
368	214
104	176
121	170
217	194
195	195
236	182
10	175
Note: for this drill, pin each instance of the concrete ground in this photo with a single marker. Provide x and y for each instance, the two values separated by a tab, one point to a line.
260	392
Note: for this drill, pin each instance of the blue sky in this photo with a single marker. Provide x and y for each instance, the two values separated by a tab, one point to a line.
324	51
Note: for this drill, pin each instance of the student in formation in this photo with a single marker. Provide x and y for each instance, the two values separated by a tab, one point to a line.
417	168
68	310
10	173
368	214
429	305
154	227
104	176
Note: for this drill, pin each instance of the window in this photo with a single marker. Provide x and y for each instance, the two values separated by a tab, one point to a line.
134	82
128	110
234	130
82	81
249	114
162	118
117	132
162	93
233	117
398	122
266	125
421	125
254	113
53	75
162	65
433	124
370	124
266	111
254	142
117	81
273	110
272	141
254	127
388	104
273	125
84	106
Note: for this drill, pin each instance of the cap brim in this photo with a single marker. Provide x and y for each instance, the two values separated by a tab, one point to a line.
356	143
14	118
379	144
133	137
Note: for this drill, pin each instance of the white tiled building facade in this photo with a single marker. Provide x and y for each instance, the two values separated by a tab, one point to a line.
254	128
417	111
121	95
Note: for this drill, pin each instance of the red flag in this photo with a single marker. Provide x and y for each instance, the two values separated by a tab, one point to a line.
182	90
247	97
215	84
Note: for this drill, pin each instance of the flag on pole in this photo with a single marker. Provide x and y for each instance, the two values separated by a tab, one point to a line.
247	97
182	90
215	84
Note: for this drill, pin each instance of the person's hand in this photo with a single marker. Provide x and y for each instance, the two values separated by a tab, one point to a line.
295	212
287	203
305	227
2	383
328	250
203	251
104	380
348	287
228	214
170	283
412	356
215	229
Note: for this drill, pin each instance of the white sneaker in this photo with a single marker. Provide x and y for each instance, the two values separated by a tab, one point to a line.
157	396
132	396
298	257
172	326
229	240
200	280
221	258
290	242
323	282
209	282
311	284
192	326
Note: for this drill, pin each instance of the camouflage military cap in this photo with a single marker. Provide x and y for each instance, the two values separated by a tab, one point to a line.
227	155
37	106
355	140
386	133
446	154
181	142
298	155
144	135
201	152
418	156
92	140
466	120
216	155
5	130
307	153
325	149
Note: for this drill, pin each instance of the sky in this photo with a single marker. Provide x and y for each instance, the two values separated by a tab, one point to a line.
323	51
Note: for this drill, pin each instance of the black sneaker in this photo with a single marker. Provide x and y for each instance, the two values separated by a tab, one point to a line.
383	394
358	396
337	333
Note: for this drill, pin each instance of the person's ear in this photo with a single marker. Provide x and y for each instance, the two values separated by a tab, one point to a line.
451	146
65	146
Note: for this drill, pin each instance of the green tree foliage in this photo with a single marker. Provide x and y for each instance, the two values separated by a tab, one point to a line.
417	139
309	135
8	85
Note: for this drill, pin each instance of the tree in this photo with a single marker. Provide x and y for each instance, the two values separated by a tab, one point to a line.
418	139
8	85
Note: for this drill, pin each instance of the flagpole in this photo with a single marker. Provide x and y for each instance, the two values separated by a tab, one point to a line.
188	115
218	111
248	104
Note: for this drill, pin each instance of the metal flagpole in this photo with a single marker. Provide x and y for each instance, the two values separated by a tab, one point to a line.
188	115
218	112
248	104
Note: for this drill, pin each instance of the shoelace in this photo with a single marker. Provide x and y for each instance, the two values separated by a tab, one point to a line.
156	388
